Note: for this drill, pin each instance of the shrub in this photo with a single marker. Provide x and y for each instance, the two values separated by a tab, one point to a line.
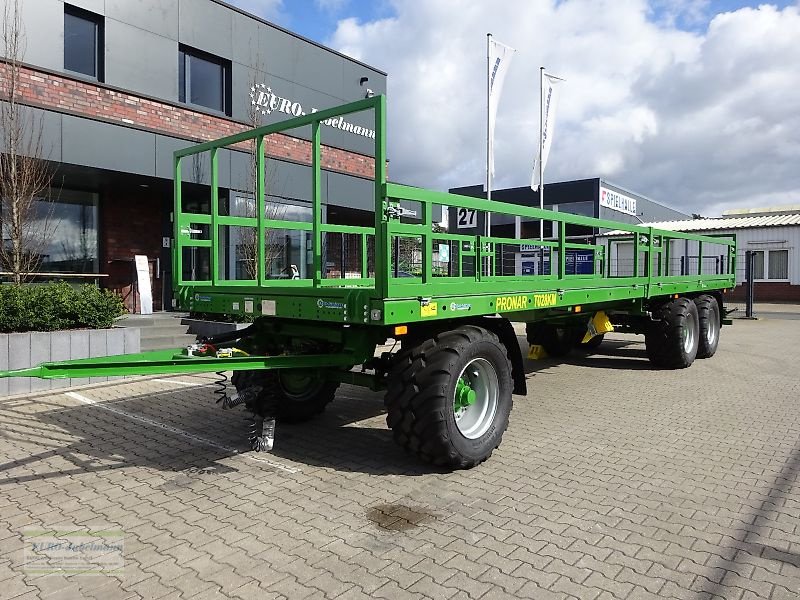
54	306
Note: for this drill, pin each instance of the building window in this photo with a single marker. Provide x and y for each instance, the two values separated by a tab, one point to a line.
205	80
63	232
771	265
83	42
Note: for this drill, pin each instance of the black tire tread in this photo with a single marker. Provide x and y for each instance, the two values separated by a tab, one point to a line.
707	309
663	337
288	410
417	402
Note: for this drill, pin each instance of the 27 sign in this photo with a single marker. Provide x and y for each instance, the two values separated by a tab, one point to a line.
466	218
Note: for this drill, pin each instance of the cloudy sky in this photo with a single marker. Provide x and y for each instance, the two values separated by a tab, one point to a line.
694	103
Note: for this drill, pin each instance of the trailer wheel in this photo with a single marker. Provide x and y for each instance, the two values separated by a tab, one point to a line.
708	316
449	398
672	339
295	395
557	341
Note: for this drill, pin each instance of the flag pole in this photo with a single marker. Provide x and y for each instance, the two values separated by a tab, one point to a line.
541	150
488	224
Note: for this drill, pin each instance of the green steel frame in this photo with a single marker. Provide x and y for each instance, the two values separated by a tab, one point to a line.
386	299
356	313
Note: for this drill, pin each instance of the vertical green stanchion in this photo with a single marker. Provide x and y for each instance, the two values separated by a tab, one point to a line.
667	255
478	257
608	258
427	241
261	211
316	201
364	256
214	213
177	245
382	239
649	259
699	258
562	250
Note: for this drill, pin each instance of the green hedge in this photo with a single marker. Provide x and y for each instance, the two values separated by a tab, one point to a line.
54	306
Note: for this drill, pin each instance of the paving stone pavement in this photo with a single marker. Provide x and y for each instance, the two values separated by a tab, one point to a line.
613	481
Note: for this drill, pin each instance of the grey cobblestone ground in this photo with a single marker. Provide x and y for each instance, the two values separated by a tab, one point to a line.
613	481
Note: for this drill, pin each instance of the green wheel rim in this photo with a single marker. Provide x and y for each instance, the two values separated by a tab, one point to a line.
475	398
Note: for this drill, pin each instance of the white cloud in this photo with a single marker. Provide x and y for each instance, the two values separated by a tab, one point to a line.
699	120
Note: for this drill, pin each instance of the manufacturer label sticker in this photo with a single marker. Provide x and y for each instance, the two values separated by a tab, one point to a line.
431	309
268	307
330	304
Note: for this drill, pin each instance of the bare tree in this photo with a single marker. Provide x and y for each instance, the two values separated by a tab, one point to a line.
25	207
274	243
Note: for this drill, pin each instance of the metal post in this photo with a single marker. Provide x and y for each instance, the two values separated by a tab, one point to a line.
750	264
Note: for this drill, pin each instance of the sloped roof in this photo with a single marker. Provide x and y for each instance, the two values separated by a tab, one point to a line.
723	223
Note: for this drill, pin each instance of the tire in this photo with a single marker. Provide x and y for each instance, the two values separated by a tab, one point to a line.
710	325
295	395
446	414
673	337
557	341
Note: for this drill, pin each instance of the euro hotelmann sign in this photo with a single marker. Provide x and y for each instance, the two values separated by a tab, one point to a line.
616	201
268	102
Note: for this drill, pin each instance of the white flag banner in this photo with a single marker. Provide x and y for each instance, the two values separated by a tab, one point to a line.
549	100
500	57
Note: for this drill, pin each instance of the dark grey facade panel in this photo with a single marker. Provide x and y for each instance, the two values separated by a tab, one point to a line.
95	144
351	76
289	181
156	16
249	41
243	79
277	52
317	70
224	167
165	147
197	168
241	166
139	60
43	22
343	190
207	26
51	134
95	6
50	124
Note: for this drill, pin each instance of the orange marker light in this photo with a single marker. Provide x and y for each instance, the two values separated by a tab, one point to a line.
401	330
578	308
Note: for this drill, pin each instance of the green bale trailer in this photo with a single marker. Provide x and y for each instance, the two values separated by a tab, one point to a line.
446	299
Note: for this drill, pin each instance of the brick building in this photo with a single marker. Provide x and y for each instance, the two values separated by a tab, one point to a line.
119	85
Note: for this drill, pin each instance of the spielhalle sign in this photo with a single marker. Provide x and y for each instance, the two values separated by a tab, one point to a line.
618	202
